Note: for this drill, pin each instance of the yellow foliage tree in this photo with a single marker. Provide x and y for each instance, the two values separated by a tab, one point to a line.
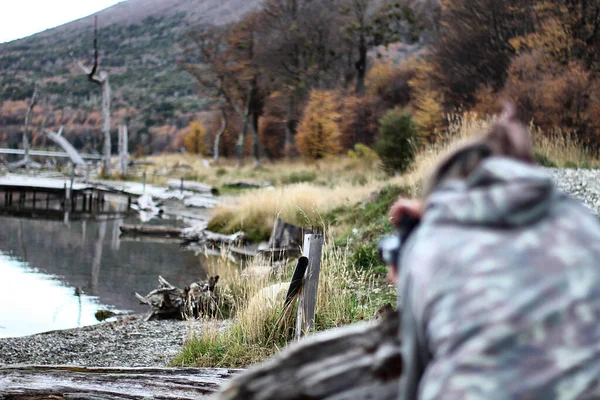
429	114
194	140
318	132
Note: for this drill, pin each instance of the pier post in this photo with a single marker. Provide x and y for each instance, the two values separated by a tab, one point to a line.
144	183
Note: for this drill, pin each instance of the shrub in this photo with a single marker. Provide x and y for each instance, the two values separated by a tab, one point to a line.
362	153
543	160
396	144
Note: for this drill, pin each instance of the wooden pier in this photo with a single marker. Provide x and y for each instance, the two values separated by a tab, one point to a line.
53	198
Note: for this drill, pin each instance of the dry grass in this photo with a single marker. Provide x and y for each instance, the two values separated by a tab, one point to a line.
345	294
261	328
300	204
329	172
559	148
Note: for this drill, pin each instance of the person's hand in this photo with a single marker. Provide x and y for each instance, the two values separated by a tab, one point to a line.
400	208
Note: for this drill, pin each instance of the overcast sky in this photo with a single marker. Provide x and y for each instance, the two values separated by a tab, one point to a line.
21	18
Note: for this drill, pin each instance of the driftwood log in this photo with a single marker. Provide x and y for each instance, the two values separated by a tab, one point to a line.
170	302
60	140
247	185
86	383
359	361
175	184
151	230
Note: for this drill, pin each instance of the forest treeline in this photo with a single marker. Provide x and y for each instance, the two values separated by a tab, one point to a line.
318	77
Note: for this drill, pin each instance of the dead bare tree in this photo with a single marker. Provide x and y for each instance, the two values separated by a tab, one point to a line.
26	161
100	79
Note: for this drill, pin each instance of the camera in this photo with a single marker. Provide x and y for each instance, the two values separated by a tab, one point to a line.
389	246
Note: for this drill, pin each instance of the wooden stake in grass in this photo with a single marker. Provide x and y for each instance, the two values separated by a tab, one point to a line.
313	249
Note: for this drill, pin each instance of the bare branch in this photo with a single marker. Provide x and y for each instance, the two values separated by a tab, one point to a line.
91	73
67	147
95	67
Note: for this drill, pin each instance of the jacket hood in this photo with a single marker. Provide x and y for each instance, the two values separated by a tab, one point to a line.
501	192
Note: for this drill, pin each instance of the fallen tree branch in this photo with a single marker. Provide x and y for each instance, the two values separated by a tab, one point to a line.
60	140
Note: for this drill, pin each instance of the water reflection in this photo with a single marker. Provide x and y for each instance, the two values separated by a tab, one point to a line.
34	302
43	262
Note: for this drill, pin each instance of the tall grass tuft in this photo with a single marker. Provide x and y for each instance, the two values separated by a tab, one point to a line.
300	204
261	327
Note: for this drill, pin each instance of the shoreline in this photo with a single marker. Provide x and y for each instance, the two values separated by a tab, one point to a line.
127	342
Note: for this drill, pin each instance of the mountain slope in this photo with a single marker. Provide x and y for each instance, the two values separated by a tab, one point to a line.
138	47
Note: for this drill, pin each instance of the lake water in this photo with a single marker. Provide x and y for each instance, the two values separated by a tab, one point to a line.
42	263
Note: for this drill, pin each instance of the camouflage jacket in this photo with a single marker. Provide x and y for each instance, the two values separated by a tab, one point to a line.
500	291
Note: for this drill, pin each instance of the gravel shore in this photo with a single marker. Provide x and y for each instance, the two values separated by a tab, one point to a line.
128	342
133	342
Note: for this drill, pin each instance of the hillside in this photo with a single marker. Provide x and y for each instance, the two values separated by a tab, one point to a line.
138	41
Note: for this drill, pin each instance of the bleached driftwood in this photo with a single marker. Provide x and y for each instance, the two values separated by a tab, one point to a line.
60	140
204	236
168	301
89	383
359	361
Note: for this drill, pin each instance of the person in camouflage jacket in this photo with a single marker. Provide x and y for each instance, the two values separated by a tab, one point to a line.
499	285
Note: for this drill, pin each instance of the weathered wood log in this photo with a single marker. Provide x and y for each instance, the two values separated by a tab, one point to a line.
151	230
88	383
204	236
174	184
247	185
285	235
170	302
57	138
359	361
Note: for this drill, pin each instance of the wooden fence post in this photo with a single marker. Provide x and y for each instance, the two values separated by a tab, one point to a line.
307	300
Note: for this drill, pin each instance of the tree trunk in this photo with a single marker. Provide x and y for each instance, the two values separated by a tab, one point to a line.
218	136
240	142
361	68
106	120
255	139
25	129
290	126
123	150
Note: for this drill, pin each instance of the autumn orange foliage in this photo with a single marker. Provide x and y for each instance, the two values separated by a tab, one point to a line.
318	132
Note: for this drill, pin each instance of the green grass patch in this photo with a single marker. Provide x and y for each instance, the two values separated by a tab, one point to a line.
298	177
